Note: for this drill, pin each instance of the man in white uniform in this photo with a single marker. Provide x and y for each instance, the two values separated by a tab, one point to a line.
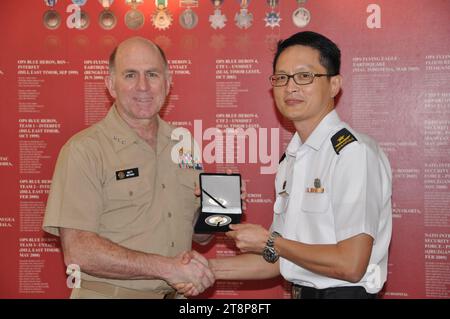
332	215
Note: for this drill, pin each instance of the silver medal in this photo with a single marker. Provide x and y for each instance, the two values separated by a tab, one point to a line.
301	16
188	19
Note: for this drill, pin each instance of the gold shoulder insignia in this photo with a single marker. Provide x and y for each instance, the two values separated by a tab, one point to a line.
342	139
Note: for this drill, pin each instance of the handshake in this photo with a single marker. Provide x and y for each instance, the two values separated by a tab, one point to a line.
193	273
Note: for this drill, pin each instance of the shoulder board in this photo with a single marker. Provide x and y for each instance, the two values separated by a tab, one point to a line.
341	139
282	158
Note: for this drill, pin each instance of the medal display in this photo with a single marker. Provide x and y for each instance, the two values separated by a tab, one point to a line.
162	18
107	20
188	19
134	19
301	15
244	18
217	20
51	18
272	18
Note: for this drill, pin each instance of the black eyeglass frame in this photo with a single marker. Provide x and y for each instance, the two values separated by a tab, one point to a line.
289	76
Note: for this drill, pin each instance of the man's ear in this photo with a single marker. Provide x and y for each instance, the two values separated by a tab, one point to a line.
169	84
336	84
109	82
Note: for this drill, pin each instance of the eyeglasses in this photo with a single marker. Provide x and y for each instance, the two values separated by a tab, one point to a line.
300	78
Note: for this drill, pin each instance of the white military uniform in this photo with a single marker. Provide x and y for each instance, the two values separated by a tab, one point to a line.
332	187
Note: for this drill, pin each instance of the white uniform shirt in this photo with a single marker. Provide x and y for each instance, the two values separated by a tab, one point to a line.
356	198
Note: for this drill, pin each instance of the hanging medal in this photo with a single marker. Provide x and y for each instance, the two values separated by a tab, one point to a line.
51	18
81	21
244	18
134	19
217	19
162	18
188	19
107	20
272	18
301	16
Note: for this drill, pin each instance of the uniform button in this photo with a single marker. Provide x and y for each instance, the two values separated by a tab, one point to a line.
169	214
163	185
172	244
131	193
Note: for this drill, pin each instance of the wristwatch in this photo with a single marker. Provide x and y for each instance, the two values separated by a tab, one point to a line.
269	252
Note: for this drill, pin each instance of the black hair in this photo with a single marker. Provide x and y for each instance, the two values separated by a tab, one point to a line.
330	55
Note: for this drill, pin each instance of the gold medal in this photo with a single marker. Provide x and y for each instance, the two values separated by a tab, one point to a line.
162	18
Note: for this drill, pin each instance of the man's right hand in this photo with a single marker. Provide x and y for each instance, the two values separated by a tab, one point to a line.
191	274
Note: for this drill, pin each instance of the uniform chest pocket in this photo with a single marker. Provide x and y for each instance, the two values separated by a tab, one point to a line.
315	203
188	202
125	190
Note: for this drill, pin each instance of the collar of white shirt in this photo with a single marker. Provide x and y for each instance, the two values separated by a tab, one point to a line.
318	136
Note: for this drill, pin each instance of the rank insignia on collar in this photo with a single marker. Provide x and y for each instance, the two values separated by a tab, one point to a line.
342	139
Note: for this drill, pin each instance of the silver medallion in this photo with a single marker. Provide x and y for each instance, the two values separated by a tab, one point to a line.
217	19
134	19
51	19
188	19
301	17
107	20
243	19
218	220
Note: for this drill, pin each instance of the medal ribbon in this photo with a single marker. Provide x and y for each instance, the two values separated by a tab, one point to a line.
217	3
50	3
188	3
161	4
244	3
272	3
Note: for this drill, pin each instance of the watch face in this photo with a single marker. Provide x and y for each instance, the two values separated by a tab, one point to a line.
270	255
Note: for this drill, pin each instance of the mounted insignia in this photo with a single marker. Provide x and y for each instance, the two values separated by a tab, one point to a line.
342	139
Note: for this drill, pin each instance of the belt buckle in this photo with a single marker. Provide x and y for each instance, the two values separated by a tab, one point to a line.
296	292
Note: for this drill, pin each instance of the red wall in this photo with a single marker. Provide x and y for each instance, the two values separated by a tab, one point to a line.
396	67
